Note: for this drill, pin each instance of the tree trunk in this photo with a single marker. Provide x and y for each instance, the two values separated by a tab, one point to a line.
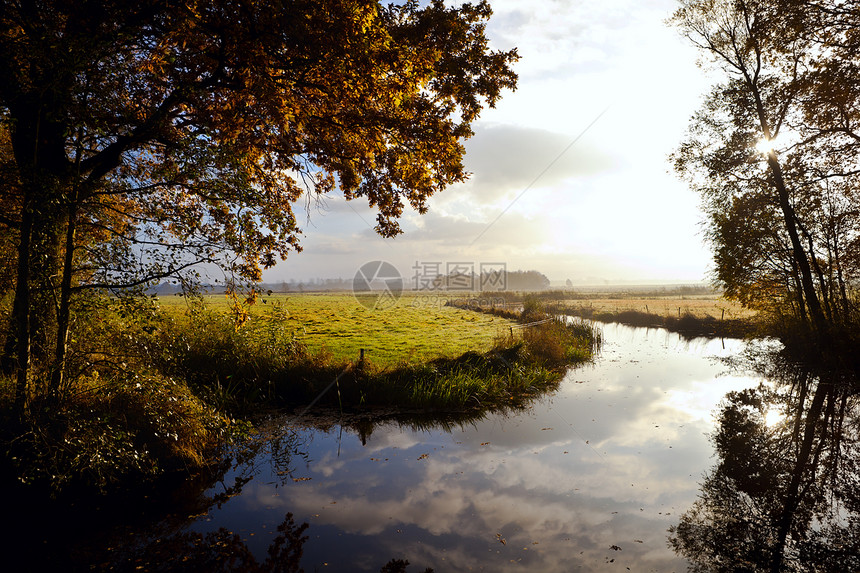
63	311
801	304
38	144
789	218
799	254
21	314
823	283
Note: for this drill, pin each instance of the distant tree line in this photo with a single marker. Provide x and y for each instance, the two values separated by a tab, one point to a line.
493	281
504	280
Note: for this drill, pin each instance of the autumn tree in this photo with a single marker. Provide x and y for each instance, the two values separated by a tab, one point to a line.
773	154
146	137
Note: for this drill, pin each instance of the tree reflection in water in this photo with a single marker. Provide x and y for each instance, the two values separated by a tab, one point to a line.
784	496
168	545
220	550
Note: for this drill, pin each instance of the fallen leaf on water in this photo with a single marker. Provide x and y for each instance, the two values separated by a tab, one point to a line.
485	443
423	456
545	429
301	479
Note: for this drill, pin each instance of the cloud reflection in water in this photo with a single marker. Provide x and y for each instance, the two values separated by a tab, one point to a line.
592	475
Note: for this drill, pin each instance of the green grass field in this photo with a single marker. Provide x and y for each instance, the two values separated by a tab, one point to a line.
416	328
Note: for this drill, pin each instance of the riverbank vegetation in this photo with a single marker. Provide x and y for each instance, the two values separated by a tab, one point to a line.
701	312
265	354
153	141
154	387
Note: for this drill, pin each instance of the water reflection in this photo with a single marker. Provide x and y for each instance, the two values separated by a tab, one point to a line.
219	550
784	494
587	479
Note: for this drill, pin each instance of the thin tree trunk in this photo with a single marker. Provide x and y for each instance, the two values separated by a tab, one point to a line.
822	282
801	304
21	314
799	255
64	311
844	304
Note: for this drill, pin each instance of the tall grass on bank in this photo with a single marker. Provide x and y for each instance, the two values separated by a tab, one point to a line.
685	324
118	420
509	375
238	366
700	322
149	393
242	367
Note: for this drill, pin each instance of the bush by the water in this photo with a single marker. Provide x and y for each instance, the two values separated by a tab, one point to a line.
106	431
148	392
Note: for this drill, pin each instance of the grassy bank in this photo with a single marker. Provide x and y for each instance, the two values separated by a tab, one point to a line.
416	328
479	361
689	323
694	315
158	386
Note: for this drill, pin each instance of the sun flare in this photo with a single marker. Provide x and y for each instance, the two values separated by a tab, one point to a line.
773	418
765	145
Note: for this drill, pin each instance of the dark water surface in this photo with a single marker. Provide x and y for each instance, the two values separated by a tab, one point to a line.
588	479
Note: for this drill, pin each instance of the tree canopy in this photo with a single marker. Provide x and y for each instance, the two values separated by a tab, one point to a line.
141	138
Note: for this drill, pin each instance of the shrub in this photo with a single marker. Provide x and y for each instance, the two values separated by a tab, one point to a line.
533	309
557	343
236	365
105	432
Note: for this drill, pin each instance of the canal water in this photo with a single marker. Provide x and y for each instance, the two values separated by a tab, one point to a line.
590	478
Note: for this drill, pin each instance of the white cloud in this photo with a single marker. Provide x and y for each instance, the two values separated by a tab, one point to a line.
506	158
606	208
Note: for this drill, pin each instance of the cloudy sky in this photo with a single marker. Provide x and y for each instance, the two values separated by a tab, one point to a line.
569	173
